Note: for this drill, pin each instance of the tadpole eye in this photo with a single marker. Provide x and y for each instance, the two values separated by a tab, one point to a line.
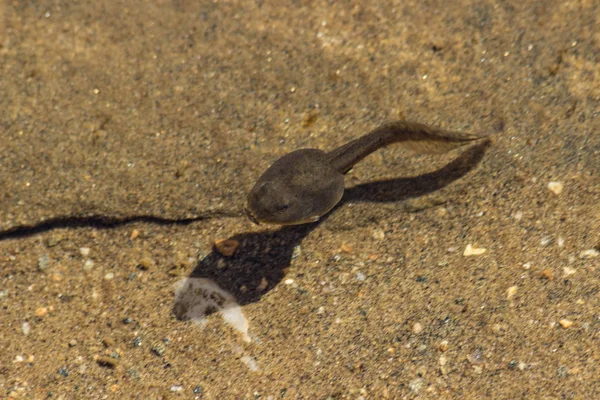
282	207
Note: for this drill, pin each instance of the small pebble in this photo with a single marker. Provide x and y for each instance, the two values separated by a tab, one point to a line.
547	274
568	271
109	276
565	323
591	253
473	251
288	281
43	262
510	293
145	263
262	285
443	346
345	248
41	312
378	234
417	328
134	234
26	328
84	251
63	371
108	362
555	187
176	388
57	276
137	341
88	265
360	276
297	252
226	247
158	349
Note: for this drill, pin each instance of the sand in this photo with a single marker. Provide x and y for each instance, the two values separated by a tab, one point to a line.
131	131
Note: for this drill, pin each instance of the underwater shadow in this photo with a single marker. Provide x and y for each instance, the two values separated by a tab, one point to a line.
260	262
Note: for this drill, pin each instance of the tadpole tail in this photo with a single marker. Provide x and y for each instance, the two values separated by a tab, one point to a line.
412	135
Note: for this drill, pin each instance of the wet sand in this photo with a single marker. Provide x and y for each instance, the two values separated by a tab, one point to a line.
132	131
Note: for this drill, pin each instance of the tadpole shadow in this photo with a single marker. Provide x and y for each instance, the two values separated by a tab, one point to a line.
260	261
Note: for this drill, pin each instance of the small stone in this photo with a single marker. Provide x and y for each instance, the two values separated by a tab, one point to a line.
134	234
443	361
443	346
510	293
109	276
177	388
26	328
416	385
63	371
43	262
158	349
88	265
568	271
57	276
297	252
565	323
555	187
84	251
289	281
417	328
547	274
198	390
137	341
473	251
105	361
145	263
378	234
360	276
262	286
591	253
226	247
309	118
41	312
345	248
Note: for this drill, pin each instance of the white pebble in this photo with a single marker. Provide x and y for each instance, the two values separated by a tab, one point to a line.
109	276
568	271
18	359
360	276
473	251
555	187
176	388
560	241
84	251
591	253
378	234
26	328
288	281
87	265
510	293
527	265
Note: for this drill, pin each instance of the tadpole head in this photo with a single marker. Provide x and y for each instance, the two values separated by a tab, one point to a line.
273	202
